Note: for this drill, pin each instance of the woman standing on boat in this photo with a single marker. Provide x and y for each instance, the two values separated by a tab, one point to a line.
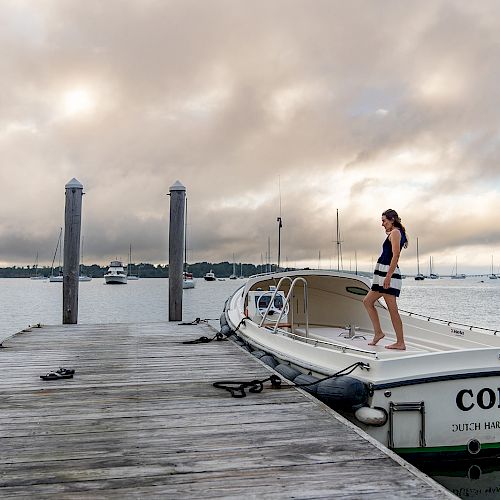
387	279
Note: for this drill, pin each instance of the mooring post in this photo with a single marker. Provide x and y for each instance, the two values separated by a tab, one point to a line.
72	230
176	251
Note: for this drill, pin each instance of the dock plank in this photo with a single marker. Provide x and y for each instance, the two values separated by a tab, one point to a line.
141	419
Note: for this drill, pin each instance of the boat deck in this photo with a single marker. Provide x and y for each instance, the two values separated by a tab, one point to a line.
141	419
359	342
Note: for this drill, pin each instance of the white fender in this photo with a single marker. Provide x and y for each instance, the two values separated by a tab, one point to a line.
371	416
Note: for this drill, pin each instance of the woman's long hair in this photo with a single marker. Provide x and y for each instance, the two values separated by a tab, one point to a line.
393	216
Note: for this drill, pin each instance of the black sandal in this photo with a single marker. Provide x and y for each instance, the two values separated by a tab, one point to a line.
55	376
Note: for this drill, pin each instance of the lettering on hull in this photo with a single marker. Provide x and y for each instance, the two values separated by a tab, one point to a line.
485	399
475	426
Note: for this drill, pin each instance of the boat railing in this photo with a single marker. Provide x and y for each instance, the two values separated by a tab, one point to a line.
451	323
286	303
273	296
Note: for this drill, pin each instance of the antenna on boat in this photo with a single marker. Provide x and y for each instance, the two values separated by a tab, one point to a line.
269	266
339	246
185	235
280	225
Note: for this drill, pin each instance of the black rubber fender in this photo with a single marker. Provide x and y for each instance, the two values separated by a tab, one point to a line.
258	354
344	393
223	320
225	330
307	379
269	360
287	371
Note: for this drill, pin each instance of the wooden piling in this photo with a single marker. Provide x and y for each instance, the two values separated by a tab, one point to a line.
176	251
72	230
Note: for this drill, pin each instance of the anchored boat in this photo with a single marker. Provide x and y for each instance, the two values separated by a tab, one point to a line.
438	397
115	274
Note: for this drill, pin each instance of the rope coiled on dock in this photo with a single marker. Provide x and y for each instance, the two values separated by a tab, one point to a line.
237	388
205	340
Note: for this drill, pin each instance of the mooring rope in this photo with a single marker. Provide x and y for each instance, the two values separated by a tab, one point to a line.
205	340
340	373
237	388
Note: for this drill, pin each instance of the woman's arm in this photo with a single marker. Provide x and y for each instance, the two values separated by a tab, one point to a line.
395	239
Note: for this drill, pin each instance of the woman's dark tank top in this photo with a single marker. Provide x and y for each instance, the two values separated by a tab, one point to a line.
386	256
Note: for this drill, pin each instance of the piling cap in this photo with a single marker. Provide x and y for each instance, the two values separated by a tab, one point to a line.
177	186
74	184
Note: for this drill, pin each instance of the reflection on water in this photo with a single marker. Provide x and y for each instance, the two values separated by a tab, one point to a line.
467	479
471	301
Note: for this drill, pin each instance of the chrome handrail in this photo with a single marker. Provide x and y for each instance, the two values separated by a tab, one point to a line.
273	296
287	301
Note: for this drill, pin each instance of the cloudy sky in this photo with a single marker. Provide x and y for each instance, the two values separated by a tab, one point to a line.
358	106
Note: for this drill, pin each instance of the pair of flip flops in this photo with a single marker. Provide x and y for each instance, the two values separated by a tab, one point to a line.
59	374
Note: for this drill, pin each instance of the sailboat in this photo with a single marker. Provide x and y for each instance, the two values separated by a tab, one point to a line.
492	276
187	277
457	276
432	275
233	276
57	278
37	276
131	276
419	276
83	277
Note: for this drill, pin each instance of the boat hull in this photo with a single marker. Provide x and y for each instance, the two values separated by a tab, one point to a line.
115	280
440	399
186	284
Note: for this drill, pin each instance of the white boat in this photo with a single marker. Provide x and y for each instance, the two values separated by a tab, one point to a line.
130	276
233	275
188	280
419	276
439	397
492	276
115	274
210	276
36	276
83	277
457	275
432	274
187	277
57	278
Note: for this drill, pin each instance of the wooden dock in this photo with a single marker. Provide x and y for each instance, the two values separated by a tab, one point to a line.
141	419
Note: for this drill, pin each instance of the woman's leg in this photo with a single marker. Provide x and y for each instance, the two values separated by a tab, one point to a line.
369	303
392	305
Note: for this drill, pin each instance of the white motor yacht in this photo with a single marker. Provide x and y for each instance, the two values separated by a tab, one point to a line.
210	276
116	275
439	397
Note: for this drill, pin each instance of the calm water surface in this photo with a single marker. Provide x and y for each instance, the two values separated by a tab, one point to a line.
473	301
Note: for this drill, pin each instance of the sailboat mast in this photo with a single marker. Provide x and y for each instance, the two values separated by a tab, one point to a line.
418	263
338	242
185	237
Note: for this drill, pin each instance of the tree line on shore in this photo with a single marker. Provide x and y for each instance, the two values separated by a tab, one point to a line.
144	270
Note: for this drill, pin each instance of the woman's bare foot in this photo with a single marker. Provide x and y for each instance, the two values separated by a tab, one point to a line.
397	345
376	339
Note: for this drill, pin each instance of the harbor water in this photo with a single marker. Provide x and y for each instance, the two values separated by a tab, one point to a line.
472	301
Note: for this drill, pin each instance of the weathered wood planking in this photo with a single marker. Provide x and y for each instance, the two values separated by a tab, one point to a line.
141	419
